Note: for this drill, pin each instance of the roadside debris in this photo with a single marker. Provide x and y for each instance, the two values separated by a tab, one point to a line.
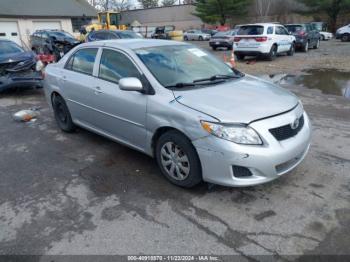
26	115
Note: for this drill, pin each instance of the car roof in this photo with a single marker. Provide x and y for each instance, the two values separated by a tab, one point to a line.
260	24
133	43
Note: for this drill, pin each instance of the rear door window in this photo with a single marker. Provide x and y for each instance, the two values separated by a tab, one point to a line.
294	28
270	30
251	30
83	61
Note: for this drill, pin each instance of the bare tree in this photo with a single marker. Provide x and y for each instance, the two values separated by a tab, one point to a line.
104	5
263	8
168	2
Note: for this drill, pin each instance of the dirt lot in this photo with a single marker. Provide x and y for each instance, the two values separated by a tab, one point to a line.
83	194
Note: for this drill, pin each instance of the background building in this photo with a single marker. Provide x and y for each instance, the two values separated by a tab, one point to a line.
20	18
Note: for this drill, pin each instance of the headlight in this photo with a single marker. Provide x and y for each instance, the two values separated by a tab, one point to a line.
239	134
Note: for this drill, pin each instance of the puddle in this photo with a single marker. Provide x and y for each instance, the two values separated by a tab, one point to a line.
329	81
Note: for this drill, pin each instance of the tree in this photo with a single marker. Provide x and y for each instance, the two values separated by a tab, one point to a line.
213	11
333	8
104	5
168	2
148	3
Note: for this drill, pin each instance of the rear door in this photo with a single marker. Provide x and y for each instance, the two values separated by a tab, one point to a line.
283	39
79	85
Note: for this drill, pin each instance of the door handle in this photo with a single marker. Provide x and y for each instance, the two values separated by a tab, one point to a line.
98	90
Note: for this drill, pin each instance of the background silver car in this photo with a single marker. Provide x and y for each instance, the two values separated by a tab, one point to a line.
196	35
156	97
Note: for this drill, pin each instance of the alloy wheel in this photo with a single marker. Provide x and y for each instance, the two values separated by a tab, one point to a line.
174	161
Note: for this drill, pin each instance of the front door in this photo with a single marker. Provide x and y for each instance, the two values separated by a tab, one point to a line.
122	114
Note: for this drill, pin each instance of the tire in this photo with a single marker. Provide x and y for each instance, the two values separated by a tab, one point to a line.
291	50
214	48
185	38
323	38
317	46
306	47
345	38
273	53
240	57
186	173
62	114
200	38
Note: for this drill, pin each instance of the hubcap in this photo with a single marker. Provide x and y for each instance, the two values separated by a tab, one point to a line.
175	161
61	113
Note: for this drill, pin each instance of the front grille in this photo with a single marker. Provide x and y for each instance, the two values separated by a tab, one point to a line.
241	172
286	132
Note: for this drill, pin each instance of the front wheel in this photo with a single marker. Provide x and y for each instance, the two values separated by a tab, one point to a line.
240	57
200	38
178	160
345	38
185	38
62	114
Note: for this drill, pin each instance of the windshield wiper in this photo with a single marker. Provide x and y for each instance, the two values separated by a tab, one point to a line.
181	84
215	78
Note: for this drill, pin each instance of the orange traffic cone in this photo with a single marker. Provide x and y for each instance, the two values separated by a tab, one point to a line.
232	59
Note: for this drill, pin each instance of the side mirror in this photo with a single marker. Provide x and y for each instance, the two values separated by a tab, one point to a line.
130	84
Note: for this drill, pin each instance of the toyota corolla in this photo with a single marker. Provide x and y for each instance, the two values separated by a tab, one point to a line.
199	118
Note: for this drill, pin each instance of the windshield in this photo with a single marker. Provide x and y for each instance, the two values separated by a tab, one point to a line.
128	34
8	47
176	64
61	34
222	33
251	30
294	28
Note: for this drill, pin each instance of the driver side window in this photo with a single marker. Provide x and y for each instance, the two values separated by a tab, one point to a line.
115	65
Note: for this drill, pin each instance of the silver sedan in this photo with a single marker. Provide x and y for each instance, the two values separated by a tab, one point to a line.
196	35
199	118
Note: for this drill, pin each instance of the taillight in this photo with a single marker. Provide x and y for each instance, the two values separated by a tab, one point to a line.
301	33
237	39
261	39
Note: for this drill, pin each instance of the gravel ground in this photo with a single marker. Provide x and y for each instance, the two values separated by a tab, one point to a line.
68	194
332	54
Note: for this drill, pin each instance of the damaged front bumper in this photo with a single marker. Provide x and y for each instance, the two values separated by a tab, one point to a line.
22	79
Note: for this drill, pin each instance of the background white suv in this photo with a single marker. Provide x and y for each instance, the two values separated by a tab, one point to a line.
343	33
265	39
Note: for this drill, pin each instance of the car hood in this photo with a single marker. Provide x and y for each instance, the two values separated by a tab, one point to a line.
17	57
239	101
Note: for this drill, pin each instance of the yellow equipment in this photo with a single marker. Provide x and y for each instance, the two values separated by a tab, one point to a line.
108	20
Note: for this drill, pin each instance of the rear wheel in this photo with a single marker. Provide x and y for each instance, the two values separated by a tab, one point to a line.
214	48
291	50
317	45
178	160
345	38
323	38
62	114
185	38
306	47
240	57
200	38
273	53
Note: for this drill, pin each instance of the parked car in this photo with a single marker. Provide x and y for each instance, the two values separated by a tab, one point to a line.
306	36
162	32
111	34
200	118
321	27
18	68
343	33
196	35
210	32
56	42
223	39
266	40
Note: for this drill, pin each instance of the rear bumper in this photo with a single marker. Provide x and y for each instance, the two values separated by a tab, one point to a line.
261	49
22	79
220	43
265	163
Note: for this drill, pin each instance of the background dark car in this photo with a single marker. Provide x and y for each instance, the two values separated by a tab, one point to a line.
223	39
306	36
17	67
111	34
54	42
209	31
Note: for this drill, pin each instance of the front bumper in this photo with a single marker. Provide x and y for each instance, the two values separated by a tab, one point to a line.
20	79
266	162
